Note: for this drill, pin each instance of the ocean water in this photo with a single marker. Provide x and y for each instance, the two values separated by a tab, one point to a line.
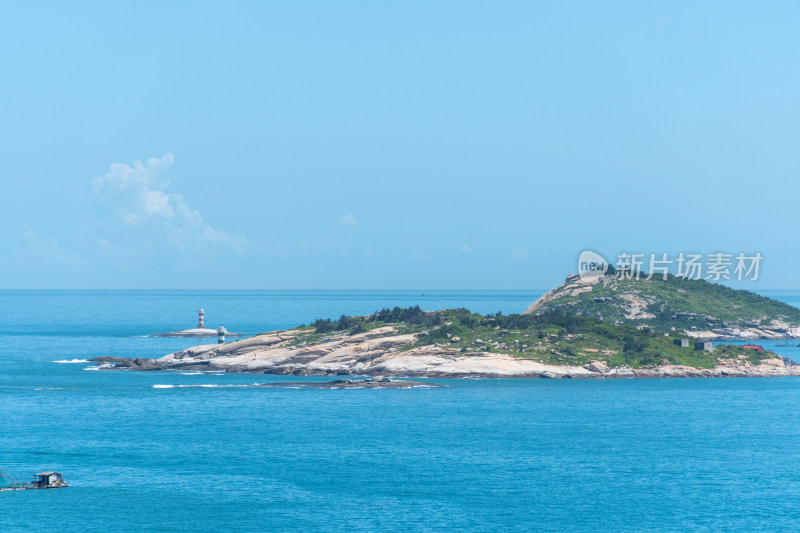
171	451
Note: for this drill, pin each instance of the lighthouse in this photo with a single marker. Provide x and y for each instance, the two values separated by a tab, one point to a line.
200	331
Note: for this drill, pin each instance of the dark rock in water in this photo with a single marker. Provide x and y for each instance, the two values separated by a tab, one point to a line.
343	372
127	363
384	383
150	364
110	359
193	364
301	372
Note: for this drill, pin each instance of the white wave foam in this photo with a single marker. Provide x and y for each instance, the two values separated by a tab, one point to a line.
100	367
67	361
162	386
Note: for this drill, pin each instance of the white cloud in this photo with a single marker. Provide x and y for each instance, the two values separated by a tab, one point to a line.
465	248
137	196
349	220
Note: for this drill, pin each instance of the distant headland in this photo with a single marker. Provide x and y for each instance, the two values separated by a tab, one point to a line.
601	328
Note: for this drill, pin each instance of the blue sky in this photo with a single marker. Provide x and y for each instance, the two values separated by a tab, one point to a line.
382	145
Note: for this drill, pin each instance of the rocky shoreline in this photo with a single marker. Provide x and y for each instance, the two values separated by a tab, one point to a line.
383	352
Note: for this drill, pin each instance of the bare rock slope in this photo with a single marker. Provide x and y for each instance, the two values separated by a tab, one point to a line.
382	351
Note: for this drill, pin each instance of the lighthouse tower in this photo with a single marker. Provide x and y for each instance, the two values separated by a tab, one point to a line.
200	314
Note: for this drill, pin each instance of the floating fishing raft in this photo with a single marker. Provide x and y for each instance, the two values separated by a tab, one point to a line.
42	480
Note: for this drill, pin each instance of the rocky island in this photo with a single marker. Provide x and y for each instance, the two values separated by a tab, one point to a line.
636	329
699	308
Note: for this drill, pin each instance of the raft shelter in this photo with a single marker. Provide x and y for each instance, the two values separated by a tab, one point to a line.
42	480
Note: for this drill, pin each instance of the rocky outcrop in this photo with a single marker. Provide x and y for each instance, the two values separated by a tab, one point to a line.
371	383
137	363
573	286
597	366
384	352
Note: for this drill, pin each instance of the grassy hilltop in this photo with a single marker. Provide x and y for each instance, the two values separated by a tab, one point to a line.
551	338
672	303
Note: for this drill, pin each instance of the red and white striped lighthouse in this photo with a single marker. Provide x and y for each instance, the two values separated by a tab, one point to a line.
200	314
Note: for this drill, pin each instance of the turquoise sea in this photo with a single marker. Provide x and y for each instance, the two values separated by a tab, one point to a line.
478	455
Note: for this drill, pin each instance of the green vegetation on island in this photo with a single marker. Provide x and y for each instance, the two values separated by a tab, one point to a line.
551	338
672	303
